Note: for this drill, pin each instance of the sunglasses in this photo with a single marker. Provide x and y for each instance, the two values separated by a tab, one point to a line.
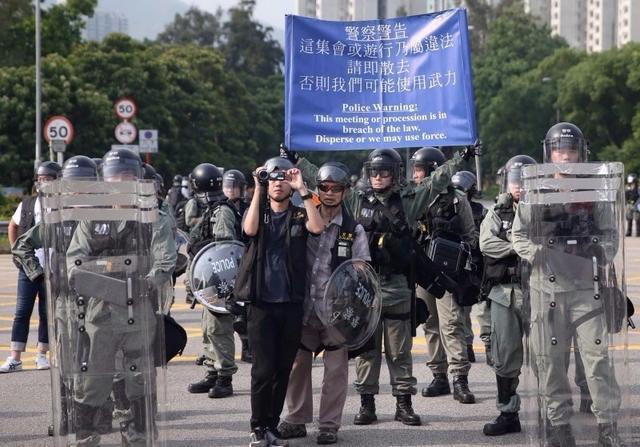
384	173
327	188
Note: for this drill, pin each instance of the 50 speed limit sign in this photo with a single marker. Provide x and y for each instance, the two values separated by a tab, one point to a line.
58	128
126	108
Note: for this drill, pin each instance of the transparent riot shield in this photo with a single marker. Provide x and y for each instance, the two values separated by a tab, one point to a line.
182	262
352	304
213	273
569	230
109	257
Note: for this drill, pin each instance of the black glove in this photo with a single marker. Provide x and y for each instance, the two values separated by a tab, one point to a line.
232	306
471	151
292	156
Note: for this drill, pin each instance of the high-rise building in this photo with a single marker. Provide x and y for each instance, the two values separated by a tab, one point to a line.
539	9
441	5
104	23
628	29
306	8
601	25
332	10
363	9
569	20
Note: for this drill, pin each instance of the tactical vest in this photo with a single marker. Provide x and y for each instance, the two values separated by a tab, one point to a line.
202	234
441	218
502	270
381	226
479	212
341	250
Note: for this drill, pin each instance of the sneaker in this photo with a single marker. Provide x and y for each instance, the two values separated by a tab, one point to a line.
42	362
257	438
287	430
273	438
11	365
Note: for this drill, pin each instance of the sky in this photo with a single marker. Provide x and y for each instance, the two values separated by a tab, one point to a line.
270	12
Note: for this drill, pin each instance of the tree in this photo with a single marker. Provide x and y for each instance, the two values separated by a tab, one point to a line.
195	26
601	95
62	26
247	45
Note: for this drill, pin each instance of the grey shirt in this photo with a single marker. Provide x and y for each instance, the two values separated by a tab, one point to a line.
319	261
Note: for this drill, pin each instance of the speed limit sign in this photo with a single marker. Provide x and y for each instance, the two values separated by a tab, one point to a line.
126	108
58	128
126	132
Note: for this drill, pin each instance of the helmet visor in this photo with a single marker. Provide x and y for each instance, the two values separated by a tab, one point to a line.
565	150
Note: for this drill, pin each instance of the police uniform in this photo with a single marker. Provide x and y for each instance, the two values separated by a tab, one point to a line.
444	329
502	275
564	303
632	214
484	313
217	328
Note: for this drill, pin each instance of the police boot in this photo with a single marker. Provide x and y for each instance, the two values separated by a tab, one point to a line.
404	411
104	419
122	406
560	436
585	399
439	386
487	354
461	391
246	353
86	433
506	422
470	354
134	431
608	436
205	384
222	388
367	413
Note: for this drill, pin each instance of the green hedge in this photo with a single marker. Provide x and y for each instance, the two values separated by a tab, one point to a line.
8	206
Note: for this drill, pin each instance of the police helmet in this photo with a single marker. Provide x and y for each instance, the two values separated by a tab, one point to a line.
465	181
119	162
234	178
277	164
177	180
565	137
386	162
206	178
148	172
333	171
48	169
427	158
512	172
80	167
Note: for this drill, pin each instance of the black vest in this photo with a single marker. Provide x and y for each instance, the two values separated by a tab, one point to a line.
503	270
27	214
441	218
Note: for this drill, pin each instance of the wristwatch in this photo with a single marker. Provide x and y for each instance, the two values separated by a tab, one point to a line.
308	195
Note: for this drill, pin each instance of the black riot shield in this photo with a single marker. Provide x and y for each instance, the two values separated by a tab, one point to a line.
213	273
569	230
352	304
109	258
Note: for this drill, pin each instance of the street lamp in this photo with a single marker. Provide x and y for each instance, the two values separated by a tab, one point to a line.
550	79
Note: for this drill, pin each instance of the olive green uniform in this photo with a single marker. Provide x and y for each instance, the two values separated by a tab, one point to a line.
217	328
445	329
506	304
567	296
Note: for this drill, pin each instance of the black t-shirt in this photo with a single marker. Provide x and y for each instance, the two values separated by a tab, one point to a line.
276	281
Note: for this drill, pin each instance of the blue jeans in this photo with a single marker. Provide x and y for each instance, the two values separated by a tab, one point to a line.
27	292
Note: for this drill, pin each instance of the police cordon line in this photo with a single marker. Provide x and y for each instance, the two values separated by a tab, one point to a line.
305	260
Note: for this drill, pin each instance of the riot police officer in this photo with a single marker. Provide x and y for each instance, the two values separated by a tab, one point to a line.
571	241
465	181
219	222
386	209
501	282
449	217
631	196
173	195
234	186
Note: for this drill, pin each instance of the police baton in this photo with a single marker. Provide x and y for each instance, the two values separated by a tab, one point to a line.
478	152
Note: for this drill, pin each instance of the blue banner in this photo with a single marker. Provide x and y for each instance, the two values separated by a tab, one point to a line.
392	83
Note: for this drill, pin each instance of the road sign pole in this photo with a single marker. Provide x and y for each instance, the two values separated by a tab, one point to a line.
38	89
